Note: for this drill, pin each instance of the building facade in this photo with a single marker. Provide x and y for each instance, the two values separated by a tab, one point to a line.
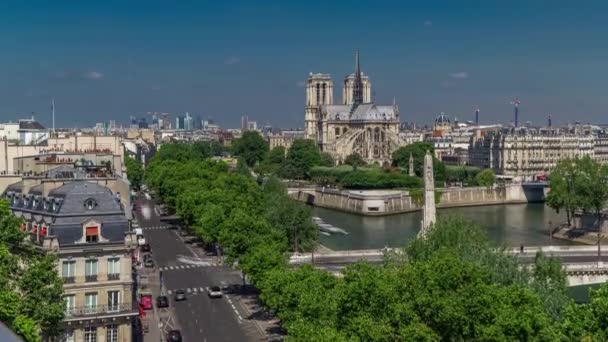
358	125
529	152
84	224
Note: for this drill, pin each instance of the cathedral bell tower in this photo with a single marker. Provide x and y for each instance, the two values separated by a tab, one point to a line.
319	92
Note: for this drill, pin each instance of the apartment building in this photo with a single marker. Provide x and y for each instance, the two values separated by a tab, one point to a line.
84	223
529	152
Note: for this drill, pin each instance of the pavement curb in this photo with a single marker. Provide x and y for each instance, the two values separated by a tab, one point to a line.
261	330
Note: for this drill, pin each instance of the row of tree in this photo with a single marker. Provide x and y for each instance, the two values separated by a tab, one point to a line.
31	292
578	184
249	220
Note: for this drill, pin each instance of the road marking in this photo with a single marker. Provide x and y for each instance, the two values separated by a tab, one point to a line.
170	267
189	290
202	290
169	292
194	289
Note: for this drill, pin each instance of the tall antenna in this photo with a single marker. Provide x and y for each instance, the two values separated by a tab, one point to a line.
549	120
515	104
477	116
53	110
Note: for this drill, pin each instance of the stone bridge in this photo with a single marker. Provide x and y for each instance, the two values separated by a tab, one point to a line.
582	264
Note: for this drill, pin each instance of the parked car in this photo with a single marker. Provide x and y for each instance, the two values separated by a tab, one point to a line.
162	302
180	295
145	300
145	247
214	292
174	336
149	263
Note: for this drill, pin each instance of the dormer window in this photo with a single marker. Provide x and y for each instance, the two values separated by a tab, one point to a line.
34	203
90	204
92	234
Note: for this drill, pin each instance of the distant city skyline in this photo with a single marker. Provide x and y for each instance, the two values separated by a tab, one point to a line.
110	60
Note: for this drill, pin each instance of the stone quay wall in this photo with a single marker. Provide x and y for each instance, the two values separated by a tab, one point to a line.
388	202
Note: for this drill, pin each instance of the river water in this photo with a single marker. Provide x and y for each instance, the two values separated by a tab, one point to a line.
510	225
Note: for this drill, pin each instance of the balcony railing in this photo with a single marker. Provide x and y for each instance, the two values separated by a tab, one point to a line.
69	280
101	310
113	276
90	278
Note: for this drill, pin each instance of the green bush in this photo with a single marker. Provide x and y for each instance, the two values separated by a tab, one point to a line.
363	178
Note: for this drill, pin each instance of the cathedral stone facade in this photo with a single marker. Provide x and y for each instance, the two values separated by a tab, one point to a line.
358	125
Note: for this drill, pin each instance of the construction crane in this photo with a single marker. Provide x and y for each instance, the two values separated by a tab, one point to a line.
515	102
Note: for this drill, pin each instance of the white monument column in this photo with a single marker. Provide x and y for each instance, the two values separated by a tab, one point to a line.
429	212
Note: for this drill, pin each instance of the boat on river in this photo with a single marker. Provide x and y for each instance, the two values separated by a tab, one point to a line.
328	228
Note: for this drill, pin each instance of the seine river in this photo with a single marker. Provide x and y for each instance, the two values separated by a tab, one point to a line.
510	225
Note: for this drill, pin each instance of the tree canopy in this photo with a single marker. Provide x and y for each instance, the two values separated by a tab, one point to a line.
31	292
135	172
485	178
251	146
401	158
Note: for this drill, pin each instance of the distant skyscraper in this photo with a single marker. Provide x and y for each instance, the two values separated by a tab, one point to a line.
188	122
244	123
180	122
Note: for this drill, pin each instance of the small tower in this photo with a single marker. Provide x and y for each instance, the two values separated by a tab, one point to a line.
319	92
411	166
429	212
477	116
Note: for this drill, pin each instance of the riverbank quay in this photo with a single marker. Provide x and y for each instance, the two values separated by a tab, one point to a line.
389	202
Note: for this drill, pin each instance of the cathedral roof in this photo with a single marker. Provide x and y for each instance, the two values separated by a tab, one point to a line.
363	112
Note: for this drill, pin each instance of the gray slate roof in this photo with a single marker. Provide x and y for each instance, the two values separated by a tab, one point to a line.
363	112
30	124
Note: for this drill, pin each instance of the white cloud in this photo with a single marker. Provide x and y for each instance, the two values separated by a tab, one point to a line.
461	75
93	75
428	23
232	60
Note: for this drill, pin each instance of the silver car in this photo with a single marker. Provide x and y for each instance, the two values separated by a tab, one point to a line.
214	292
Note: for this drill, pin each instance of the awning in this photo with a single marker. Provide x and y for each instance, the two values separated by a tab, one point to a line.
91	231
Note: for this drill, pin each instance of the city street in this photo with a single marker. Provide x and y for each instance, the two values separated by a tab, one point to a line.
185	266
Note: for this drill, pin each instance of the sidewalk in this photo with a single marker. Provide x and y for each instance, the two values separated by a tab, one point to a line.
264	321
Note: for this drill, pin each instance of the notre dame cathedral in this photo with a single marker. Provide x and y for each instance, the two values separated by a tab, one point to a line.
357	125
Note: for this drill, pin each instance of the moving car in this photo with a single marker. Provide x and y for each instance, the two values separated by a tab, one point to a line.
145	247
145	300
214	292
162	302
174	336
149	263
180	295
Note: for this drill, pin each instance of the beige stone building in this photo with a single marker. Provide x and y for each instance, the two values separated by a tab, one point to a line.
85	222
15	158
529	152
357	125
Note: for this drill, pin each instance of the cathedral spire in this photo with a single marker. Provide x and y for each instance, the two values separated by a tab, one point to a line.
358	86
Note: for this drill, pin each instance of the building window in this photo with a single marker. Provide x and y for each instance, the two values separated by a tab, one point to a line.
92	234
90	302
90	204
337	131
91	270
70	305
113	301
67	271
68	336
90	334
112	333
113	268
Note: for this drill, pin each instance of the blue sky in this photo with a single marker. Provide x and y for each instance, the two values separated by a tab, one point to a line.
221	59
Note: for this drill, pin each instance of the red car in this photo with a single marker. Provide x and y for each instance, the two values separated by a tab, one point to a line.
145	300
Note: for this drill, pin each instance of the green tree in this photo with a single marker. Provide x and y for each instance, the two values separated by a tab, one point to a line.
354	160
251	146
135	172
564	182
401	158
486	178
301	157
592	186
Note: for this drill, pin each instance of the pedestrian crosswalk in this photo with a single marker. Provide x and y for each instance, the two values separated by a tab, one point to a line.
154	227
184	267
188	290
